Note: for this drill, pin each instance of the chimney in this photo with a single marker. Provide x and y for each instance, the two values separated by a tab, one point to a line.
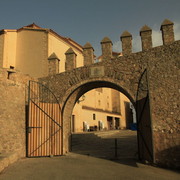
167	32
106	46
126	39
146	37
53	64
70	59
88	53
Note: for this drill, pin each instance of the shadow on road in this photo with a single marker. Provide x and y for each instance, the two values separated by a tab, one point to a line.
118	146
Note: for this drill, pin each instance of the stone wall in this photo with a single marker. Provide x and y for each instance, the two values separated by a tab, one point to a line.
13	99
123	74
164	64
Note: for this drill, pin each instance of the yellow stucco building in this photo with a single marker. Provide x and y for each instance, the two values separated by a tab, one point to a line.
29	49
101	109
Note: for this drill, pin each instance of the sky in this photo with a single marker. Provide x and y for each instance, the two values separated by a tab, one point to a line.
92	20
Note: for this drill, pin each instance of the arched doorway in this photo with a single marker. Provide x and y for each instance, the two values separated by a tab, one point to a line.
101	126
102	109
145	148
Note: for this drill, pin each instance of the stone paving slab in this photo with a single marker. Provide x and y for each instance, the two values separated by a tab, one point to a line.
81	167
102	144
97	165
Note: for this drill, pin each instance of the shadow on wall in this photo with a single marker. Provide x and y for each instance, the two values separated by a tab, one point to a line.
128	114
173	159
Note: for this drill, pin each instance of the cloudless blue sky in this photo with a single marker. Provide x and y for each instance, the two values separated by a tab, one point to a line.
89	20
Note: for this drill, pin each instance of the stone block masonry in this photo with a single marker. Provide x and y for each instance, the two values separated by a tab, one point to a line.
12	113
13	99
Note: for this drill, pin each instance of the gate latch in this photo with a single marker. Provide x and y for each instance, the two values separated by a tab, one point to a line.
29	129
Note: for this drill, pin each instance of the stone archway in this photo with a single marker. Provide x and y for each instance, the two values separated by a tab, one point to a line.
71	85
76	94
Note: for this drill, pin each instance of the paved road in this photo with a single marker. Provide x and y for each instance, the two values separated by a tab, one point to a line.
78	165
102	144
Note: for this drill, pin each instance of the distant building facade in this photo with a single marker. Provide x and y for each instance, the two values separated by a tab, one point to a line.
102	109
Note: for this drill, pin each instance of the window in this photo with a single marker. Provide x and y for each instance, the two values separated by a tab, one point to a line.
94	116
73	123
99	102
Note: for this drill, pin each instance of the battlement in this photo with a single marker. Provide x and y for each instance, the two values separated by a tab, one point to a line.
167	32
145	33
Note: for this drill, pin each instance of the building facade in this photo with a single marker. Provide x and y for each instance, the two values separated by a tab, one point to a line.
33	50
101	109
27	49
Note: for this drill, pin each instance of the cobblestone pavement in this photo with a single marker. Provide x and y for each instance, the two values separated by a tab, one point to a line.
87	162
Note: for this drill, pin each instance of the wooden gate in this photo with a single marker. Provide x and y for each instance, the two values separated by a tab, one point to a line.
44	126
144	133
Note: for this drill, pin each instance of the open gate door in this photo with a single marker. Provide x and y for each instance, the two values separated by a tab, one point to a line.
44	126
144	130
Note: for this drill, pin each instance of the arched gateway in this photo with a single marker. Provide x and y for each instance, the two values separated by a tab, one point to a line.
148	78
120	75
